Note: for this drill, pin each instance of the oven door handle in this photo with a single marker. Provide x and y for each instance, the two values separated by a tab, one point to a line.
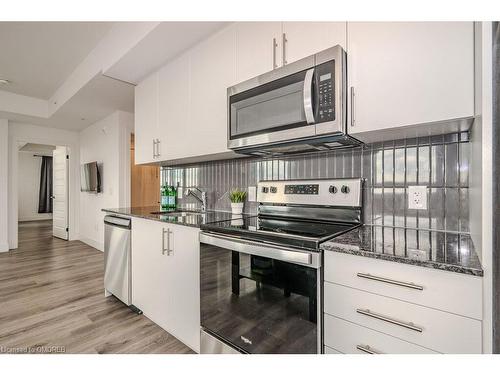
308	99
260	249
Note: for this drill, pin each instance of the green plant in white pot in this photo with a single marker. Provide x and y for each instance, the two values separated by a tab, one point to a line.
237	198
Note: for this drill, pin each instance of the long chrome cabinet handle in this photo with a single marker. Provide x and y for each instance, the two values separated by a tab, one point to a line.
390	281
410	326
154	148
367	349
163	231
353	108
167	250
275	45
283	42
260	249
308	105
158	151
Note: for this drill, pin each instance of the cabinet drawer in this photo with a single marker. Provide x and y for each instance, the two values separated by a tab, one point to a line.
433	329
329	350
456	293
350	338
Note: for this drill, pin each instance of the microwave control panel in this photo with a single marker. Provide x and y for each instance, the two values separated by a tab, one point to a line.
325	81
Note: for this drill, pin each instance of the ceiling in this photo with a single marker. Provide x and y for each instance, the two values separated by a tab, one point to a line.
38	148
37	57
97	99
164	43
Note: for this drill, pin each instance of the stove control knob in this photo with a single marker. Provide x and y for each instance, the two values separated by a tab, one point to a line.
333	189
345	189
265	189
274	189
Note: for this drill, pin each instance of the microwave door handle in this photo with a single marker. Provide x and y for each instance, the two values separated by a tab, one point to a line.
308	101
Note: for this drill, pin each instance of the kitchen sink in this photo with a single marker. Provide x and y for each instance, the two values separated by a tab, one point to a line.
177	213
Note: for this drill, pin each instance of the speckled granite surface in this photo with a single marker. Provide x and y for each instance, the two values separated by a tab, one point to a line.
440	250
187	218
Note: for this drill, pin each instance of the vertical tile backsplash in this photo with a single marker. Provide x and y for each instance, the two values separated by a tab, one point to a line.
439	162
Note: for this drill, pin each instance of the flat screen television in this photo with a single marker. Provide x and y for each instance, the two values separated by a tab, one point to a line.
90	179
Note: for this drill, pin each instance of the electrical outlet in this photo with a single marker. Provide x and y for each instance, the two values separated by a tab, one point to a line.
417	197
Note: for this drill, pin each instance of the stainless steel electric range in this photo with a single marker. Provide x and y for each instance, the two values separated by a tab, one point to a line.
261	276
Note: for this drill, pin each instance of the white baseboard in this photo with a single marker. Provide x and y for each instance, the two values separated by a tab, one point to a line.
4	247
95	244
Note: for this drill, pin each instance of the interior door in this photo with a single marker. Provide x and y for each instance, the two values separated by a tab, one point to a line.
60	193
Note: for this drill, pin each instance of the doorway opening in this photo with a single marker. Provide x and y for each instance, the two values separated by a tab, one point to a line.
43	191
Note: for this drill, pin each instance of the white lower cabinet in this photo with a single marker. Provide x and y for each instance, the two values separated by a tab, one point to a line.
165	277
377	306
329	350
429	287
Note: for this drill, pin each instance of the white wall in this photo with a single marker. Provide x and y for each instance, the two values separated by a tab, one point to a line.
481	189
107	142
20	134
29	168
4	167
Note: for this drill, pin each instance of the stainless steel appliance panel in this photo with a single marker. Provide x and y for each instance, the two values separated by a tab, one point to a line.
211	345
297	103
259	304
117	258
326	192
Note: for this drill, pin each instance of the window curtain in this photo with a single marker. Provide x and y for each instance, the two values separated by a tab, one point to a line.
44	197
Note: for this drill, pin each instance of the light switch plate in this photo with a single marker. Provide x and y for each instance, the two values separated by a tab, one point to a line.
417	197
252	193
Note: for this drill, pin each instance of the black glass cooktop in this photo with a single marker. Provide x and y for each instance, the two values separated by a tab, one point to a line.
296	233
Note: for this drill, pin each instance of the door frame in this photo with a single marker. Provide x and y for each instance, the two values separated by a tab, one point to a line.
73	184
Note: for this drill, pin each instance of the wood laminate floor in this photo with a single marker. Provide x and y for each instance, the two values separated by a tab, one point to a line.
52	298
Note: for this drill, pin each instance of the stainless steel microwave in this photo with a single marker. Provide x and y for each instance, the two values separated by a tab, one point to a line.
299	107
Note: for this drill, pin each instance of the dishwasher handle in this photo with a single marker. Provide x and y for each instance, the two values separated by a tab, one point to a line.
118	221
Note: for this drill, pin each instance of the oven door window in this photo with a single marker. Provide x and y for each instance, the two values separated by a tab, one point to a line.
258	304
275	106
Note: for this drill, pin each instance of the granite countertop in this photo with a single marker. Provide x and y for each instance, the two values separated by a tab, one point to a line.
426	248
191	218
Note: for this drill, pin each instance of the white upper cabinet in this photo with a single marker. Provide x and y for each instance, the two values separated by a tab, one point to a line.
146	119
302	39
403	74
264	46
405	79
173	97
212	71
258	48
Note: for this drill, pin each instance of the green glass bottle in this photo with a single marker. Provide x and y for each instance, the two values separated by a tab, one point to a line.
173	197
164	198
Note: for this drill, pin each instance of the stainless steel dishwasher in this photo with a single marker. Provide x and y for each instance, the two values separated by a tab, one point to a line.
118	259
